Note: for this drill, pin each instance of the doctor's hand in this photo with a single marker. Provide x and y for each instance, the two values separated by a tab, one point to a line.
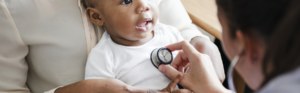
196	69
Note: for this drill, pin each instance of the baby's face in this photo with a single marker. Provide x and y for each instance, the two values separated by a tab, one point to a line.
132	20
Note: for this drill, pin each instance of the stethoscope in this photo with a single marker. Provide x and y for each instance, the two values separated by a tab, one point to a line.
161	56
230	73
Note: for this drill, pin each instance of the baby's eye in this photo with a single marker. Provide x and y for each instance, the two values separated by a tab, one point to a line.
125	2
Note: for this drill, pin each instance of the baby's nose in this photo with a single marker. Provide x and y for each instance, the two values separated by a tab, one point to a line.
142	5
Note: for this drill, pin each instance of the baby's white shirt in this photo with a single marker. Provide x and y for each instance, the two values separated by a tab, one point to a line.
131	64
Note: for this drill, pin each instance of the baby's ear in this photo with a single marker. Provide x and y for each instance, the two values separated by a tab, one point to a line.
94	16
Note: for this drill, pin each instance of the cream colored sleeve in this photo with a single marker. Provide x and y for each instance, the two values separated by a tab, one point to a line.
173	13
50	35
13	68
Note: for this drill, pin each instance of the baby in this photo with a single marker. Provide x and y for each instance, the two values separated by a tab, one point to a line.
132	31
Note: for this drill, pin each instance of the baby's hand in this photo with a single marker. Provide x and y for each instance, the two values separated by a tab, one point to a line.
171	88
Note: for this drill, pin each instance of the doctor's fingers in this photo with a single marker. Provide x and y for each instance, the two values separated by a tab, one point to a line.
187	54
187	48
170	72
180	61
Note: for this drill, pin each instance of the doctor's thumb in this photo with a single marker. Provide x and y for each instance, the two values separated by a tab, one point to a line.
170	71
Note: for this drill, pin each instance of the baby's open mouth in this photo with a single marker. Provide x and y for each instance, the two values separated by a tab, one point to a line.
145	22
144	25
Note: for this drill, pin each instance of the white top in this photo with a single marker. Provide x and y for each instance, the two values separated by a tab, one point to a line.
287	83
131	64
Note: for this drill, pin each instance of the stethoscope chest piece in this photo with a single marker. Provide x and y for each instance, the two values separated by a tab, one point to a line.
161	56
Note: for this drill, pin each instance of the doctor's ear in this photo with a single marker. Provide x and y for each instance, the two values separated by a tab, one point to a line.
94	16
250	46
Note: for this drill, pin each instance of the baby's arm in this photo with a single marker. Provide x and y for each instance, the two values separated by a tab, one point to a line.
99	86
116	86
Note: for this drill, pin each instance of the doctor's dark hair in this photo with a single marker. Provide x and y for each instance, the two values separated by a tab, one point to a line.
283	51
252	16
268	20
